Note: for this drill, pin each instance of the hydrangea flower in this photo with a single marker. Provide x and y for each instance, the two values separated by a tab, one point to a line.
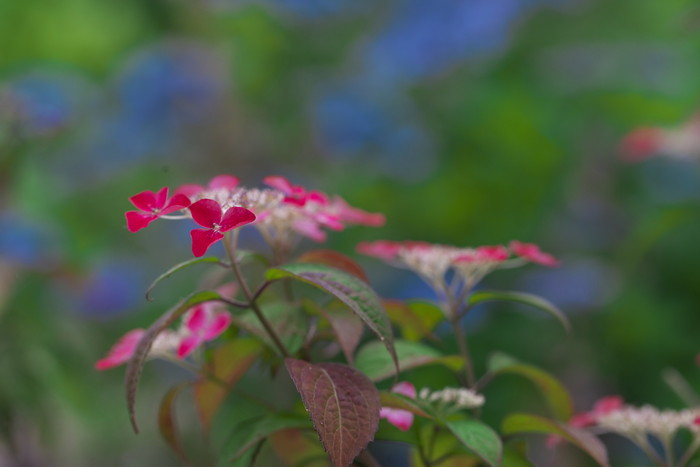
532	252
201	324
152	206
401	419
164	344
208	213
433	261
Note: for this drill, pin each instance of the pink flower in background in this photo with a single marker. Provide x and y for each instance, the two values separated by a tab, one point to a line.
151	206
352	215
679	142
295	194
228	182
484	254
401	419
201	324
122	351
532	252
382	249
208	213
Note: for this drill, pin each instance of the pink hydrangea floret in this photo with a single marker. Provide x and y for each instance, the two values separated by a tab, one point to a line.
202	324
532	252
401	419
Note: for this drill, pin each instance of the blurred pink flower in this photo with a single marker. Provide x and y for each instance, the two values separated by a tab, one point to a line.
532	252
151	206
122	351
228	182
401	419
201	324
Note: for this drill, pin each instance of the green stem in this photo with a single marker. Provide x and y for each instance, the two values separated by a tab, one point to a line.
230	246
463	351
689	452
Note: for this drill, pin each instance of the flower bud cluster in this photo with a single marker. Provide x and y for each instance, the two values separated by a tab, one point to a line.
638	422
459	398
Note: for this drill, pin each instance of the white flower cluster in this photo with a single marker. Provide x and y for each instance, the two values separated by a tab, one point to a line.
461	398
430	261
636	422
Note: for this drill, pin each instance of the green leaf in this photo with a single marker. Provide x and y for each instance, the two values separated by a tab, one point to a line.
176	268
296	447
521	297
399	401
416	319
342	403
250	432
479	438
228	364
355	293
555	394
378	366
135	364
166	421
287	320
520	423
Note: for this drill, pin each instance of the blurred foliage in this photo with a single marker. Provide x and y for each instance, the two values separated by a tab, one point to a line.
465	122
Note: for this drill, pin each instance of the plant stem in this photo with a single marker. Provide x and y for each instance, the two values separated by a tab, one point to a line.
463	351
230	246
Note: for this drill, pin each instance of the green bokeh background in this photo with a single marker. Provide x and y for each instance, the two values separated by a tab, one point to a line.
524	145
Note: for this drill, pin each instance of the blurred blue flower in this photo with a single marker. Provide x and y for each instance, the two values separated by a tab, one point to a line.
113	287
28	242
170	84
43	102
351	121
423	38
576	285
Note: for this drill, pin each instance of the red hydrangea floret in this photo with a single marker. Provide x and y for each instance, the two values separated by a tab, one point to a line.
532	252
153	205
208	213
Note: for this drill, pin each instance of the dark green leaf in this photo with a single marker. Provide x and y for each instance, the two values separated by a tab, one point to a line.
377	365
416	319
248	434
555	394
176	268
521	297
479	438
520	423
287	320
135	364
355	293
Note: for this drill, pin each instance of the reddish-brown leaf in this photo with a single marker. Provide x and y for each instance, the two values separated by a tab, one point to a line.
166	421
334	259
138	359
343	405
228	364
